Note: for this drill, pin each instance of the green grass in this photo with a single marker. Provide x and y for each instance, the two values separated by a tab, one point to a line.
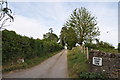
77	62
27	64
78	66
108	50
92	76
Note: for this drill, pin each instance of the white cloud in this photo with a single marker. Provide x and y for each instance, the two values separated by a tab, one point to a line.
55	14
28	27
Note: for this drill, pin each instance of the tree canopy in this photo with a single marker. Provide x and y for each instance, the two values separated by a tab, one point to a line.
84	25
50	36
68	37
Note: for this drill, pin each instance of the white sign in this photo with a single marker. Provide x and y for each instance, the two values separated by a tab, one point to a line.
97	61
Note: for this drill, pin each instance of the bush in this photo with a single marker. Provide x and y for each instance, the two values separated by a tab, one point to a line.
16	46
93	76
102	46
91	45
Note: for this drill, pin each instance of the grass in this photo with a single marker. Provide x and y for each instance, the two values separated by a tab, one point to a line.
77	62
27	64
78	66
108	50
92	76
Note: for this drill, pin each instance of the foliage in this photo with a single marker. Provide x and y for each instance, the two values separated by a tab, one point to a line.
50	36
91	46
102	46
93	76
105	45
98	45
84	25
68	37
16	47
78	66
5	13
77	62
63	35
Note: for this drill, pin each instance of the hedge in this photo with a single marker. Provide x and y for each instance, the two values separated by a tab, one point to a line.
15	46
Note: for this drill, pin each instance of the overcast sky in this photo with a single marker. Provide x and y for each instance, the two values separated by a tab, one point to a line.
33	19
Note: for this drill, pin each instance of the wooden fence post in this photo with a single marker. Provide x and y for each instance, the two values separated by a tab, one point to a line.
84	49
87	53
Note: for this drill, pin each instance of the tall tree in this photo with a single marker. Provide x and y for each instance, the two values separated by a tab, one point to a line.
5	13
63	36
50	36
51	32
84	25
68	37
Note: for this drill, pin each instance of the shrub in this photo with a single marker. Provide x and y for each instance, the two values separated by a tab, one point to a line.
16	46
93	76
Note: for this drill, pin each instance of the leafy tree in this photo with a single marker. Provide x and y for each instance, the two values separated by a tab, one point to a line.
51	31
5	13
84	25
63	35
68	37
50	36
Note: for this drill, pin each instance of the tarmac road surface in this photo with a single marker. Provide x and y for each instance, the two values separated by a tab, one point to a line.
54	67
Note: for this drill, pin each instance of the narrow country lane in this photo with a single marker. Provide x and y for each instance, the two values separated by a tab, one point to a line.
54	67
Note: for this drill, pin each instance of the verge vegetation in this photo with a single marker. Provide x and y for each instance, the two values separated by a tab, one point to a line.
102	46
78	66
32	51
77	62
27	64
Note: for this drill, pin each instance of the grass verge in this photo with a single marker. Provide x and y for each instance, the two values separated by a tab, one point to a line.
77	62
78	66
108	50
27	64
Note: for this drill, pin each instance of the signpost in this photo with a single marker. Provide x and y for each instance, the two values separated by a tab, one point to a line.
97	61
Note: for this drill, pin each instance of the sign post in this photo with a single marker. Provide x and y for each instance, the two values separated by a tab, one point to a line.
97	61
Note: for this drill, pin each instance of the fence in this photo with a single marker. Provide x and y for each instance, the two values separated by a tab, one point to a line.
85	51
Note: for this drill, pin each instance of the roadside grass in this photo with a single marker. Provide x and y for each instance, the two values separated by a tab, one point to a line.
27	64
108	50
78	66
77	62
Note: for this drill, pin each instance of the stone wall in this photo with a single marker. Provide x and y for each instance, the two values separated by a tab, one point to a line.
110	63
